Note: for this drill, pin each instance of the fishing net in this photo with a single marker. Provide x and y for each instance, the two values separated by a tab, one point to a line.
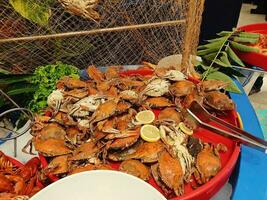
84	32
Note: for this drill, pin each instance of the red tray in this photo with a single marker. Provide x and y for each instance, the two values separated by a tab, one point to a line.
228	158
256	59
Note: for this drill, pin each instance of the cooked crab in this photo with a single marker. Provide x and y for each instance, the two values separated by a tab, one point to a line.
174	75
124	154
55	99
156	87
76	93
190	98
122	107
51	147
129	95
108	125
208	163
85	8
85	151
64	119
171	173
95	74
124	142
105	110
74	135
113	72
210	85
58	165
112	92
86	105
158	102
73	83
147	152
182	88
128	83
135	168
170	114
51	130
219	101
175	139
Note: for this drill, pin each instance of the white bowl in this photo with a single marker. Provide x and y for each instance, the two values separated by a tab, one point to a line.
99	185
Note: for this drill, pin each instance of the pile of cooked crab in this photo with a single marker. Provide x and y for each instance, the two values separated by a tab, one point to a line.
90	125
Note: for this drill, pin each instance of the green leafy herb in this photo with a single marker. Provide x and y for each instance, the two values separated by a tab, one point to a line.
218	53
234	57
45	79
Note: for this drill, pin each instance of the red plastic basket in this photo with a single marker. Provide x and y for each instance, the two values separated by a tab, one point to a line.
256	59
228	158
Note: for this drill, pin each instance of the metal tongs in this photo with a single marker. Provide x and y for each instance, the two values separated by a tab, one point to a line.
203	117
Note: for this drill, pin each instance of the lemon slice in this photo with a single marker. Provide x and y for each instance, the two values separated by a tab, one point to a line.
150	133
145	117
185	129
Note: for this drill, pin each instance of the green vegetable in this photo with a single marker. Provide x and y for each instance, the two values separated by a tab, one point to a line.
210	56
220	63
207	51
223	77
225	33
234	57
45	79
217	39
33	10
246	40
218	53
214	45
249	35
224	59
243	48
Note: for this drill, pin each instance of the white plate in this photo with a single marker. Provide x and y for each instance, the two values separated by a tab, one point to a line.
99	185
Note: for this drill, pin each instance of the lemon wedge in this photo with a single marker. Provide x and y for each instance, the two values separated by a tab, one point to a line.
145	117
150	133
185	129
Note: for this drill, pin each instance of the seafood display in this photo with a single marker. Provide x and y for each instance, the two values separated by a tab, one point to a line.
18	182
92	124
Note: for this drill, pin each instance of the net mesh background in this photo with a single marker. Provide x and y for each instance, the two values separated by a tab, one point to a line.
109	48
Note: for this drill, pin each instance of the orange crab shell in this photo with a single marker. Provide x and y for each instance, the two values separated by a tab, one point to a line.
219	101
58	165
208	163
171	173
182	88
122	143
85	151
147	152
170	114
135	168
73	83
51	147
95	73
158	102
113	72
